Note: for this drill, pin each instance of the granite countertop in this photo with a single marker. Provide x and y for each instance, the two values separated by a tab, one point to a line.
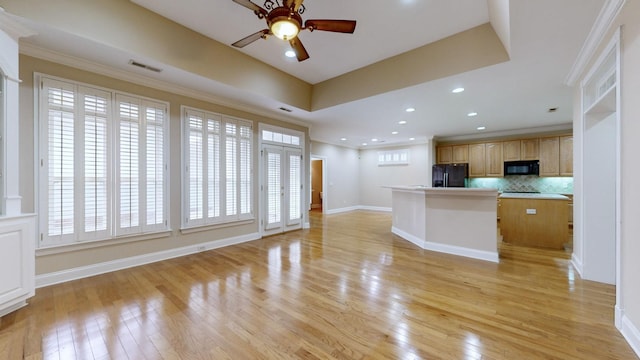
537	196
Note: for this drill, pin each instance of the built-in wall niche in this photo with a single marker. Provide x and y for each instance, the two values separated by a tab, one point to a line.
596	230
599	92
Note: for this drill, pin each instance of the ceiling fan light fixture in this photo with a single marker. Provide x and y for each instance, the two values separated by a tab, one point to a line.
285	29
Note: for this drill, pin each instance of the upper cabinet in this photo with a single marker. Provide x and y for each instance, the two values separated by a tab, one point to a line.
550	156
556	156
511	150
444	154
477	160
460	154
452	154
526	149
566	155
487	159
530	149
494	163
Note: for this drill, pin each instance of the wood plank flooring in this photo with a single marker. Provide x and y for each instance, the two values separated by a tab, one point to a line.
345	289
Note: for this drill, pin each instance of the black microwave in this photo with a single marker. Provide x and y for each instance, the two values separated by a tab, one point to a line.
522	167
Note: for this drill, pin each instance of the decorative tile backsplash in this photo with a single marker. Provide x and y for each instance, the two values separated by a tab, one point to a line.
526	183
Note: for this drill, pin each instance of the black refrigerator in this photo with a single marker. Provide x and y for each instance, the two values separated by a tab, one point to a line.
450	175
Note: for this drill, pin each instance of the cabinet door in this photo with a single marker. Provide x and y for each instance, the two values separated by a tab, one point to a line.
511	150
495	164
566	155
550	156
460	154
477	160
444	154
530	149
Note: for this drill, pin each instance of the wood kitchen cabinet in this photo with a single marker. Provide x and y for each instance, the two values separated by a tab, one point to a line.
460	154
511	150
566	155
444	154
550	156
477	160
529	149
526	149
452	154
494	163
534	222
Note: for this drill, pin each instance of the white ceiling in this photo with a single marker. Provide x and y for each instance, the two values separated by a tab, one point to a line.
545	38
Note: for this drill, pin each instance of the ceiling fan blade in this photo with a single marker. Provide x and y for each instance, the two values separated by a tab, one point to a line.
298	3
251	6
298	48
342	26
251	38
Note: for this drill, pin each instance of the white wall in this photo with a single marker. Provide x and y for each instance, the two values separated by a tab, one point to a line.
374	177
341	191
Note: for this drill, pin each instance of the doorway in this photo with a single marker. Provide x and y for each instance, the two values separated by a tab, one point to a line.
281	180
317	184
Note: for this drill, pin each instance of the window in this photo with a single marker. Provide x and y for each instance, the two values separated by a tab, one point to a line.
393	157
217	153
103	163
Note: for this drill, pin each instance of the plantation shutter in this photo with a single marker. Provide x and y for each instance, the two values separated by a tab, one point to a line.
128	146
60	108
213	168
231	169
155	166
295	191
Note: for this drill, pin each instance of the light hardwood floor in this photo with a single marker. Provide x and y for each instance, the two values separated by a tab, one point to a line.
345	289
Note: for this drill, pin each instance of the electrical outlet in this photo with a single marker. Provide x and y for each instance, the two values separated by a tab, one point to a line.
531	211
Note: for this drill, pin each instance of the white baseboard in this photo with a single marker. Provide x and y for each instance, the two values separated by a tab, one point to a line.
13	307
341	210
448	249
358	207
374	208
410	238
577	264
316	206
109	266
631	332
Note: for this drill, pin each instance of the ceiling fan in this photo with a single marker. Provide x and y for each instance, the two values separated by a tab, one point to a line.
284	20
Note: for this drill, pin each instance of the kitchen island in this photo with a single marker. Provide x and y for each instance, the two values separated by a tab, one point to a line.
459	221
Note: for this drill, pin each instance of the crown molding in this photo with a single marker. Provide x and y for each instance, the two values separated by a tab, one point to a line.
12	27
603	23
29	49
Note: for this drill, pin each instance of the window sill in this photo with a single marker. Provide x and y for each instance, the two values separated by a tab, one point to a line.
84	245
207	227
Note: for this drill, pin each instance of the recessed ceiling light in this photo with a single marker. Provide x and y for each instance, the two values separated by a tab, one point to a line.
364	144
394	133
343	139
290	54
481	127
411	139
410	109
402	122
457	90
471	114
374	140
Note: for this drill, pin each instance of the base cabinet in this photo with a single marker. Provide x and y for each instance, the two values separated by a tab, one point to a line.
17	262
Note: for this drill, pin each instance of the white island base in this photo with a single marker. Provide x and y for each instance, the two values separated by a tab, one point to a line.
458	221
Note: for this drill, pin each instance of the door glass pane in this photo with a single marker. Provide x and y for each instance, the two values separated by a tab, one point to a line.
294	187
273	188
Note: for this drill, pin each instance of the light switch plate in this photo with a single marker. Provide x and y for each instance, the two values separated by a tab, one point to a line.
531	211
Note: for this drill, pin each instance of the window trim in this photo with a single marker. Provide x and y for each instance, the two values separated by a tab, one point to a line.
113	236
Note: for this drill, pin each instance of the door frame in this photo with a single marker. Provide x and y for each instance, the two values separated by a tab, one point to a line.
261	171
325	192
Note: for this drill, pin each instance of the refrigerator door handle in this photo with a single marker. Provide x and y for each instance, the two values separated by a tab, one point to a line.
446	179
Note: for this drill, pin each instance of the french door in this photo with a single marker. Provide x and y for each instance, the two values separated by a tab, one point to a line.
282	189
